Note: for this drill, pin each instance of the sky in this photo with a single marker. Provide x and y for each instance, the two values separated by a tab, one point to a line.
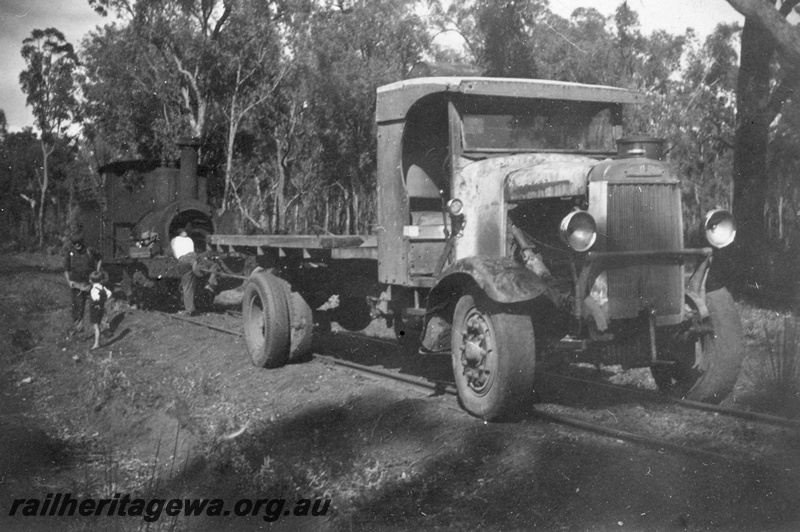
74	19
671	15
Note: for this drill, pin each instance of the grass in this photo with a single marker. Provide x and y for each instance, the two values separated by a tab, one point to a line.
783	367
108	380
771	373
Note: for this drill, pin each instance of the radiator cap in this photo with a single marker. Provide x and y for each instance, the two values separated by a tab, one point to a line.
641	146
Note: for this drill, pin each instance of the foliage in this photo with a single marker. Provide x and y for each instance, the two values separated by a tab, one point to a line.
311	146
500	35
174	46
20	157
130	109
283	92
346	56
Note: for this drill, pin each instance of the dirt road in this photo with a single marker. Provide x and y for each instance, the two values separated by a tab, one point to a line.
170	410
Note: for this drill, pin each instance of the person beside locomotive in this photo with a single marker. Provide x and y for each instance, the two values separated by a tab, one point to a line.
79	263
193	264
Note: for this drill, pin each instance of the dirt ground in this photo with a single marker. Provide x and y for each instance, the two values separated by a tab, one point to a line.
170	410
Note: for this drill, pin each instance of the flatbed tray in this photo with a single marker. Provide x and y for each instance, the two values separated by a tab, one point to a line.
293	241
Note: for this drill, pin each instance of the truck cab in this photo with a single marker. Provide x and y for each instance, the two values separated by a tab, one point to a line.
518	205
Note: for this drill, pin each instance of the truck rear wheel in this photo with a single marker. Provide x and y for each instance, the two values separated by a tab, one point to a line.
266	315
706	367
302	325
493	354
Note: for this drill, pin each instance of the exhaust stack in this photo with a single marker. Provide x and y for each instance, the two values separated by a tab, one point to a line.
187	179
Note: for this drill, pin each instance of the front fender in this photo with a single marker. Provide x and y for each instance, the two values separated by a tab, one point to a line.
502	279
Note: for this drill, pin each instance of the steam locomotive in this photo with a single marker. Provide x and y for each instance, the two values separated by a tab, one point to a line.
142	205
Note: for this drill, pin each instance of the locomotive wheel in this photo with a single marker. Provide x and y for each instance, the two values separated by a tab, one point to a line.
266	315
493	355
707	366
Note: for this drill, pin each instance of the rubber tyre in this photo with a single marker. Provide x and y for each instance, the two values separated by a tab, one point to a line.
488	336
722	354
302	326
266	316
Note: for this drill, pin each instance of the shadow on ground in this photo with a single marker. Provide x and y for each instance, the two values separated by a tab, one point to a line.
410	464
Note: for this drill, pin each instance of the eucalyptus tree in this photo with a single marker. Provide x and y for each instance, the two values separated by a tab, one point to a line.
49	83
20	160
247	76
500	35
131	106
183	36
343	52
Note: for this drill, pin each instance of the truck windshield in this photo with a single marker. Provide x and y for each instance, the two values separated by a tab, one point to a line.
568	126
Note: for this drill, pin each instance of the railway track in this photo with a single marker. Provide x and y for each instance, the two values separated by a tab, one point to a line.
684	403
440	387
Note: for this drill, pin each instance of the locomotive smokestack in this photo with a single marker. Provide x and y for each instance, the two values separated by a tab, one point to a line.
187	180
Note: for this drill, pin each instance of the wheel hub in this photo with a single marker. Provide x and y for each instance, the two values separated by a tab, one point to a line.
476	347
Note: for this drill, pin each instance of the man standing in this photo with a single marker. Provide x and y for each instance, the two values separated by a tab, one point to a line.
79	262
183	249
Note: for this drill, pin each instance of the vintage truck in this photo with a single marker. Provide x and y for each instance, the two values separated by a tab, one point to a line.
516	228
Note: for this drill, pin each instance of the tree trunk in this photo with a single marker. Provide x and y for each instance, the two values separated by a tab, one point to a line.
346	206
280	199
43	184
326	220
753	118
357	214
233	126
773	23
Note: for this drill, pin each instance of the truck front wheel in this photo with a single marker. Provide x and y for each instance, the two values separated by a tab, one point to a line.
266	315
705	366
493	354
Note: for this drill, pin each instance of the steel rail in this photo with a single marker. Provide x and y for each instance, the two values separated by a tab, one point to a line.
201	324
435	386
686	403
642	439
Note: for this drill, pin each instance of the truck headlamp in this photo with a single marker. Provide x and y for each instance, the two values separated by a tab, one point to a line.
455	207
578	230
720	227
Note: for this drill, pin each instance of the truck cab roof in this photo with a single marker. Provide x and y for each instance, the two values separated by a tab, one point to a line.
394	100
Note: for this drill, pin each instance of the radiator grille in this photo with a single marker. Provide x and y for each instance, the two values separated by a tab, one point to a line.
644	217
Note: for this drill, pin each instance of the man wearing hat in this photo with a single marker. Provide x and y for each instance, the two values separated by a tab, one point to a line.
79	262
